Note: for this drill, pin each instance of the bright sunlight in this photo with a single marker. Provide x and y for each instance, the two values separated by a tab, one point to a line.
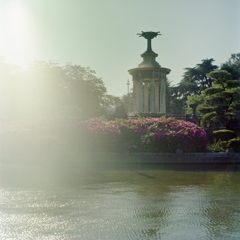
17	40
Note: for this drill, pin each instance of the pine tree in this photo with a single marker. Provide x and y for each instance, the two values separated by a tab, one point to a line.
222	104
221	109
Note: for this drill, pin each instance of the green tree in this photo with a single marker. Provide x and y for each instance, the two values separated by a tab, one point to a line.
194	81
194	99
49	90
86	91
111	101
221	101
233	66
221	110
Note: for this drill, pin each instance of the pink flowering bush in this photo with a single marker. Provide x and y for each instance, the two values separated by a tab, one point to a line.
99	134
143	135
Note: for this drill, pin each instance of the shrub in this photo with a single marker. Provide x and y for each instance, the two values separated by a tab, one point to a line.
99	134
234	144
224	139
219	146
144	135
224	135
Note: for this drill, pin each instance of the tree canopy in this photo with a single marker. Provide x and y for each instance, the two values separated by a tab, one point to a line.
221	104
195	80
46	89
233	66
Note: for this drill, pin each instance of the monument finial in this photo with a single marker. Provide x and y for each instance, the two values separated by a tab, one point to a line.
149	36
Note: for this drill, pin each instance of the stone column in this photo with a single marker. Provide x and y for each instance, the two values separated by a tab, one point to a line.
140	94
146	97
157	96
152	108
163	96
135	96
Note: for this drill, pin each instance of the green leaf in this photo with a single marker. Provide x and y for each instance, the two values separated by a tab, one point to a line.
224	135
206	119
213	90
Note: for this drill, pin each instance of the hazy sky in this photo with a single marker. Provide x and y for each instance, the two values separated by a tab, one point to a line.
101	34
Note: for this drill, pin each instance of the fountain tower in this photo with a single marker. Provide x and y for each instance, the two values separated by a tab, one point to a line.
149	82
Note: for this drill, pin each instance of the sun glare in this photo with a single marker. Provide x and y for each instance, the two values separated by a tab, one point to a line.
16	35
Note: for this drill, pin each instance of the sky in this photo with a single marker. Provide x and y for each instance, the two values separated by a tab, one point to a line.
102	34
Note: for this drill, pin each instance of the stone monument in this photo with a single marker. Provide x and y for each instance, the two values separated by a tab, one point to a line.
149	82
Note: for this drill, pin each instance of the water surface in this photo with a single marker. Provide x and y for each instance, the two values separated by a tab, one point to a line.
73	200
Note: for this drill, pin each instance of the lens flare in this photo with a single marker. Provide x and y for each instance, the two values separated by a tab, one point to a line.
17	38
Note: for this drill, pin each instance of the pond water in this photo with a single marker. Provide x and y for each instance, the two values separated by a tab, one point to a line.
125	201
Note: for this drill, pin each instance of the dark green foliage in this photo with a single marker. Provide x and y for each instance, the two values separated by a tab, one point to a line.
206	119
228	94
216	92
215	99
221	100
220	76
204	108
194	99
220	119
212	90
233	83
194	81
221	107
177	106
223	135
221	146
233	66
234	144
236	106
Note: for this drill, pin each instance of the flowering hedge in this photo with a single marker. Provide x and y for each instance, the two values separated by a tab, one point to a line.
142	135
99	134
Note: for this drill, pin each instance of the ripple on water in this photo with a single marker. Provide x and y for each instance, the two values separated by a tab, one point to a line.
147	209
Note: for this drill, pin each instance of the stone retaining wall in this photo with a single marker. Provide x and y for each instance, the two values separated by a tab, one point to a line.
58	157
171	158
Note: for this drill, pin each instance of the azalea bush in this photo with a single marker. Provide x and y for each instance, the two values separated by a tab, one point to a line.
99	134
142	135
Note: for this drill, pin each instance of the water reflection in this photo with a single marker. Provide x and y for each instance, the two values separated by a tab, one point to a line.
72	201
